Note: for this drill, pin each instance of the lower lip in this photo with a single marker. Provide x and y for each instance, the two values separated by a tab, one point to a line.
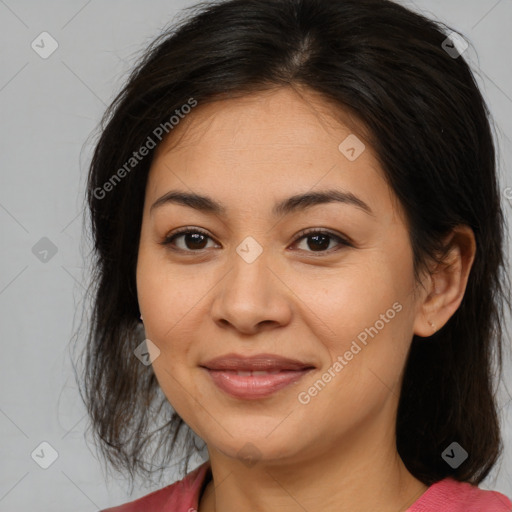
254	386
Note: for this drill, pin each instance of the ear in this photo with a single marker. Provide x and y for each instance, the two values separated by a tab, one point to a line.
446	284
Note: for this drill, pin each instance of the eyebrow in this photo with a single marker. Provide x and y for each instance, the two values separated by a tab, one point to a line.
291	204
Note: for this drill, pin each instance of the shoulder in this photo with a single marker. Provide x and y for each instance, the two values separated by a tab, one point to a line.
451	495
180	496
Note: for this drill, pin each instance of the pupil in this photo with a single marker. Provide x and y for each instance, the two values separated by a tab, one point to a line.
322	245
195	240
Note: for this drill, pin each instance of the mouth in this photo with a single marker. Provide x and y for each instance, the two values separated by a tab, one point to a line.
254	377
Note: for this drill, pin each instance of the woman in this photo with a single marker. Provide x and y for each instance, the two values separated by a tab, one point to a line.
299	200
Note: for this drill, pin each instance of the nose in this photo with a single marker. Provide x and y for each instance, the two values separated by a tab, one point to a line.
253	295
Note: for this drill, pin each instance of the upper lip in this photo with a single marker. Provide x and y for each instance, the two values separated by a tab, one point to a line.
256	362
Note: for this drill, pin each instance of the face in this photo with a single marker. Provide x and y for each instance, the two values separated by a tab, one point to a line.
247	280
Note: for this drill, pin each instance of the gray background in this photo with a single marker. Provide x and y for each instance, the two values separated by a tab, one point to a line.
49	109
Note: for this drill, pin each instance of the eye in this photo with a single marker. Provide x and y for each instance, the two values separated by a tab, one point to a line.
320	239
193	238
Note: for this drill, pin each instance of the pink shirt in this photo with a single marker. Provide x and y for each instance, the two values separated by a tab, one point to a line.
447	495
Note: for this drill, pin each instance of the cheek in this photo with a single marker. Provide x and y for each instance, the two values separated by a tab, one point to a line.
352	299
365	316
166	305
166	293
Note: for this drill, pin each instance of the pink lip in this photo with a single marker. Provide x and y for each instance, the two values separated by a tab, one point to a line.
257	362
254	386
285	371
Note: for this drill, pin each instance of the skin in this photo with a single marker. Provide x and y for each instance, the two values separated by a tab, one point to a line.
337	452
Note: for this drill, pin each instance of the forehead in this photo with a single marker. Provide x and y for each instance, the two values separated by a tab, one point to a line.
282	117
273	143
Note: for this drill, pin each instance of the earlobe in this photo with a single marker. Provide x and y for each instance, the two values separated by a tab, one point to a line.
448	283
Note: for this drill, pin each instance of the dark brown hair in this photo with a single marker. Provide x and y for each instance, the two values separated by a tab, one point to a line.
429	126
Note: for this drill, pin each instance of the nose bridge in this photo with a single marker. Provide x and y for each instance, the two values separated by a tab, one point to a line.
250	250
250	267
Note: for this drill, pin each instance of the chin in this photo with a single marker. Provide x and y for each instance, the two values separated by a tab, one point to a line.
253	449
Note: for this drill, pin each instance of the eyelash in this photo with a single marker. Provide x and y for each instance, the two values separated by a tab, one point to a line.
169	239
